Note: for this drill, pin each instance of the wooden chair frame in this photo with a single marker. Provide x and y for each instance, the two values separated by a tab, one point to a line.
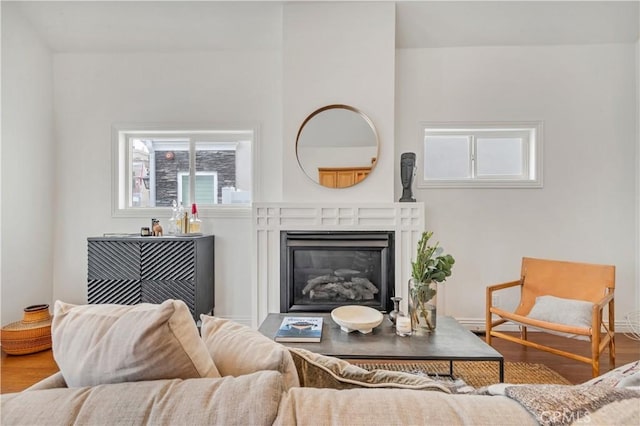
570	280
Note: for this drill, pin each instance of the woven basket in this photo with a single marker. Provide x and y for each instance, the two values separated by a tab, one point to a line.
31	334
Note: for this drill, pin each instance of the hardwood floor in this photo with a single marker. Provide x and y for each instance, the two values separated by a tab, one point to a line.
627	350
20	372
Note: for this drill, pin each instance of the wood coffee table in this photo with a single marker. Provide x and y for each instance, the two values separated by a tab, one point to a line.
450	342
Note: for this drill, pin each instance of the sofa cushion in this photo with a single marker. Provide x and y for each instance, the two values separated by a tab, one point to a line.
312	406
625	412
237	349
321	371
248	400
56	380
97	344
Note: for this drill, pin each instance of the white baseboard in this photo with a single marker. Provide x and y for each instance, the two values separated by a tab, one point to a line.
477	324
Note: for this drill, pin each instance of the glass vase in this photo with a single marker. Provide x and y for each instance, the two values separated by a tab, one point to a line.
422	305
403	325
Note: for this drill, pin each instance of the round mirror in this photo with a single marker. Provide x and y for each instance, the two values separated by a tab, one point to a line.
337	146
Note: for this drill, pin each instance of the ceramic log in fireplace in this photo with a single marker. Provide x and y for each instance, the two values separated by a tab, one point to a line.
321	270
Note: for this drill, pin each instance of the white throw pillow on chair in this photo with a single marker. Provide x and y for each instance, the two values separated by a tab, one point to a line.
558	310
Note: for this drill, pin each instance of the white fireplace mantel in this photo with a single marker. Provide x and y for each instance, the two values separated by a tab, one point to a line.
405	219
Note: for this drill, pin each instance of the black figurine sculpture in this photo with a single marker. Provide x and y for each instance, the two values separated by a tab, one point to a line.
407	170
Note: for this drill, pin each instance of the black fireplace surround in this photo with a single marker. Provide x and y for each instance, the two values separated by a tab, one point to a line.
321	270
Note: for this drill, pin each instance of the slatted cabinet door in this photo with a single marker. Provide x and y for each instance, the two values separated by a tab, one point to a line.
168	272
114	272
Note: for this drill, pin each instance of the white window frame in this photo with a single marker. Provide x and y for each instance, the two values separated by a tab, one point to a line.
121	171
530	131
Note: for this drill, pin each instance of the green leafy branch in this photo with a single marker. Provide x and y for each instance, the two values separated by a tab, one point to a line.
431	264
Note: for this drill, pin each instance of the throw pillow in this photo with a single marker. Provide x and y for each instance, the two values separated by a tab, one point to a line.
320	371
627	375
238	350
571	312
99	344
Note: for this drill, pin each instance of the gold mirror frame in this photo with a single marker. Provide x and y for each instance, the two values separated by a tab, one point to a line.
351	149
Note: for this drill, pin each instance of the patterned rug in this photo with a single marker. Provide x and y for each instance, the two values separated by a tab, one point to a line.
474	373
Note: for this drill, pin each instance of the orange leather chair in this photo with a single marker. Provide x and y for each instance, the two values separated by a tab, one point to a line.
589	287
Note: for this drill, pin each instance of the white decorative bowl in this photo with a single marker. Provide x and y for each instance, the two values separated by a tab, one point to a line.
355	317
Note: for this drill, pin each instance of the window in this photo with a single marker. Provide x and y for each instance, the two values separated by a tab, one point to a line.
155	166
481	155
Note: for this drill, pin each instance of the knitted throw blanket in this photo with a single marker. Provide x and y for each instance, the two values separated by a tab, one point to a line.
554	405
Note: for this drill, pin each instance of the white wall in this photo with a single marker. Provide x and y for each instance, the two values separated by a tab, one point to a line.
94	91
339	53
28	167
637	308
586	209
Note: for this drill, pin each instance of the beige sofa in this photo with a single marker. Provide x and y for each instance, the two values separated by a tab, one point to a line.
148	365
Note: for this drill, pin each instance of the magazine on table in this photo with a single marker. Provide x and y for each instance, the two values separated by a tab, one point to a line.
299	329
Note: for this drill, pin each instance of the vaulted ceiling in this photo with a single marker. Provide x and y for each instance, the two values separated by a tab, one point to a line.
100	26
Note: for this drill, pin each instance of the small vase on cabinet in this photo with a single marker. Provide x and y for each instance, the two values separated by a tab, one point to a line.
422	305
